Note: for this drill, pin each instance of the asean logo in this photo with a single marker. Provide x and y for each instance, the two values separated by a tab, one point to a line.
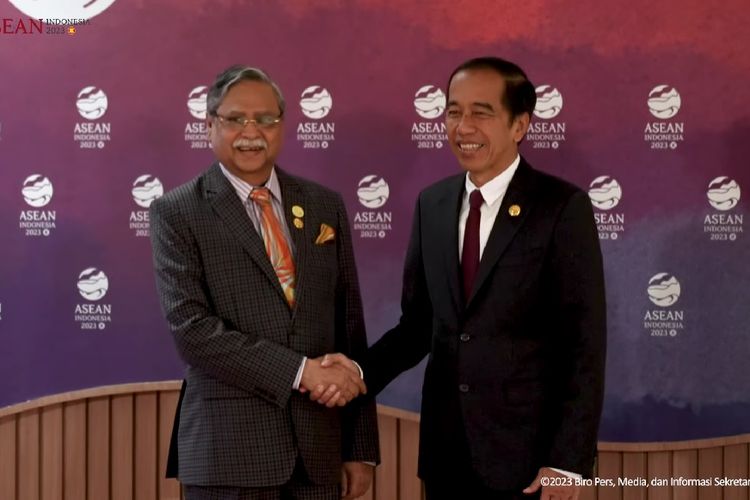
37	190
92	284
373	191
92	103
549	102
663	289
429	102
197	102
664	101
605	192
146	189
723	193
316	102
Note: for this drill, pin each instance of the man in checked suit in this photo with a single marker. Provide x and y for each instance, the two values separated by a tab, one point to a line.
256	275
503	288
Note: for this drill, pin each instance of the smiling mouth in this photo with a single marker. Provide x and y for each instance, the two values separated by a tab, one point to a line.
469	147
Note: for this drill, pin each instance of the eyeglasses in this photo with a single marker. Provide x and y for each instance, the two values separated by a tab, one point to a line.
238	123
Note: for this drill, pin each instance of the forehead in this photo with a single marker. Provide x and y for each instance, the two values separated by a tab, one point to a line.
476	85
251	96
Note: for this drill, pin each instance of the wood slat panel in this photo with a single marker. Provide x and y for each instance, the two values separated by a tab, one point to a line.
28	455
97	448
660	468
74	450
122	447
410	486
169	489
736	466
146	424
609	466
710	465
634	465
685	465
52	452
8	457
386	475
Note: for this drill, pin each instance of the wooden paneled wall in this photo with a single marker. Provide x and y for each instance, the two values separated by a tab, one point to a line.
111	443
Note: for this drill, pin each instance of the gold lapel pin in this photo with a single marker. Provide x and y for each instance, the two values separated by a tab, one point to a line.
298	223
514	210
298	211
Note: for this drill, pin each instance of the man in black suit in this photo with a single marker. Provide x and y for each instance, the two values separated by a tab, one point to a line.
256	276
504	289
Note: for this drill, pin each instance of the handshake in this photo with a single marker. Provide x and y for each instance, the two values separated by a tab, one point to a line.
332	380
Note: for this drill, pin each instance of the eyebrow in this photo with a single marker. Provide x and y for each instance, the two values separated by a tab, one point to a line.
484	105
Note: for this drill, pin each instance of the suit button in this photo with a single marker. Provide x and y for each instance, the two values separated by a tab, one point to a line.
465	337
463	388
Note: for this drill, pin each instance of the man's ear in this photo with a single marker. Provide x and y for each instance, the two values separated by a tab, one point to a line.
520	126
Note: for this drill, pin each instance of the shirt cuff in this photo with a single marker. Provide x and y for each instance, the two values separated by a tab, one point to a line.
361	373
566	473
298	378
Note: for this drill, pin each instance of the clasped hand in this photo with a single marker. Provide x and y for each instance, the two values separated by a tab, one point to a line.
332	380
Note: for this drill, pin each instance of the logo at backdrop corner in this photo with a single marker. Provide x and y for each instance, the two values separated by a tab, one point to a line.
373	192
663	289
92	104
316	103
548	133
723	195
68	9
93	284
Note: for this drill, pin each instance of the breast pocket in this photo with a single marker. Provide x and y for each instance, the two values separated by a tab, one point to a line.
521	257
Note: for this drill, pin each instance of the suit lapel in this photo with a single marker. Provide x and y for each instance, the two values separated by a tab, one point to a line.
506	225
447	210
230	210
293	194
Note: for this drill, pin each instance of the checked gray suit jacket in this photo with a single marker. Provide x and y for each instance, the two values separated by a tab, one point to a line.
239	422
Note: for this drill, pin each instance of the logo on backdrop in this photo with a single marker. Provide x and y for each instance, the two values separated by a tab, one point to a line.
92	104
93	285
548	133
429	103
196	132
663	103
605	193
69	9
1	311
146	189
723	225
663	291
316	103
37	193
373	192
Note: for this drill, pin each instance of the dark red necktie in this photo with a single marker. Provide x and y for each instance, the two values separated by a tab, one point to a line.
470	254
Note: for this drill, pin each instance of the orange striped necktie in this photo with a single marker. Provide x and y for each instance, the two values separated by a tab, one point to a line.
277	246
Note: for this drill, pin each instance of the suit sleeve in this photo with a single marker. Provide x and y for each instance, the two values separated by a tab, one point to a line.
579	283
359	418
409	341
203	340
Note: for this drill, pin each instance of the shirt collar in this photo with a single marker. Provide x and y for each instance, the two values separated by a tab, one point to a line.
496	188
243	188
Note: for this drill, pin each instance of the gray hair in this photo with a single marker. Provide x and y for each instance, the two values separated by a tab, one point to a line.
232	75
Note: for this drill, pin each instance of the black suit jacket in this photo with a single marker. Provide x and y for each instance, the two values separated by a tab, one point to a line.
518	366
239	423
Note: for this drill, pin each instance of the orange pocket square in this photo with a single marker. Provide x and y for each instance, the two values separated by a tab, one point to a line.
327	233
